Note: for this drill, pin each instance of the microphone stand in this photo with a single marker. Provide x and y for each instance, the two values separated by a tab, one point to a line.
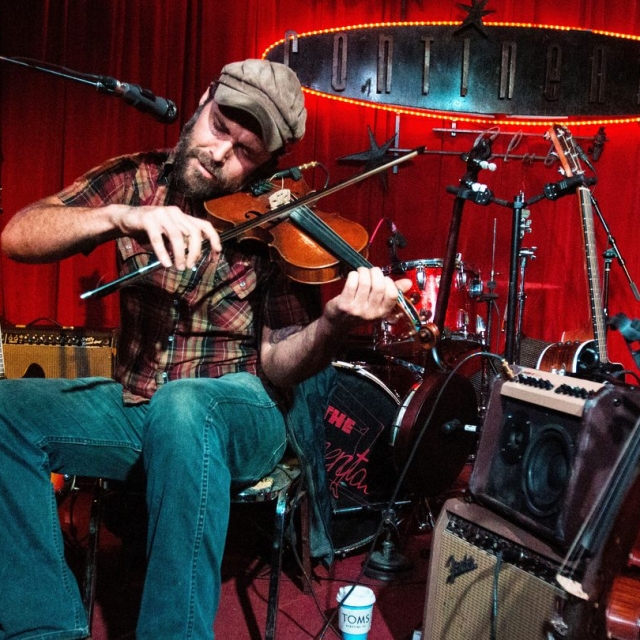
66	74
142	99
525	256
611	253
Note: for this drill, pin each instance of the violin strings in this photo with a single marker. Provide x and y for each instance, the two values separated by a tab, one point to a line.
605	506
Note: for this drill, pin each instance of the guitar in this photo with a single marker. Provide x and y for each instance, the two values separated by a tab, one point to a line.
579	357
62	483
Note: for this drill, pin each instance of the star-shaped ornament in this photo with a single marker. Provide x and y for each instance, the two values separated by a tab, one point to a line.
475	14
374	157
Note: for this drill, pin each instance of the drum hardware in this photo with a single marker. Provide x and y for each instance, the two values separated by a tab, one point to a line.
525	255
369	507
424	516
462	321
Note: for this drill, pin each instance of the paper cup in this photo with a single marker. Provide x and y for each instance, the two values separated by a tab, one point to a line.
355	612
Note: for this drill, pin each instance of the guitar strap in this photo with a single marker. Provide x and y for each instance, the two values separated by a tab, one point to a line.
630	330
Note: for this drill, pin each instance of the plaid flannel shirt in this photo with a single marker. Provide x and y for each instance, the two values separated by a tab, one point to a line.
200	323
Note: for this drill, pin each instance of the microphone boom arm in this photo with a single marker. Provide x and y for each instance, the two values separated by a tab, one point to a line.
161	109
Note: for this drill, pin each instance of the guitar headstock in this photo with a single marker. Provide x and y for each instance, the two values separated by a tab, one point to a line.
565	149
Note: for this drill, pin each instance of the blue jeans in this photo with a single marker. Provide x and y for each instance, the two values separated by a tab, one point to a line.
195	439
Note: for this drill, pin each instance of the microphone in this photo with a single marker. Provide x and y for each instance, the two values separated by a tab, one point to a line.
161	109
630	329
294	172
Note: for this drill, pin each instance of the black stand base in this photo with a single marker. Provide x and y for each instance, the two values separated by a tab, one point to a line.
388	564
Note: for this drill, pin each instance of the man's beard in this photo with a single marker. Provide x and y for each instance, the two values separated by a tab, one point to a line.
188	179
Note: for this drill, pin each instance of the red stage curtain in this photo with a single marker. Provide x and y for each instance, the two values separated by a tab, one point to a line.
54	129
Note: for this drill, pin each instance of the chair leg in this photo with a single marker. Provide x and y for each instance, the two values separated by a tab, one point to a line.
304	545
276	564
89	581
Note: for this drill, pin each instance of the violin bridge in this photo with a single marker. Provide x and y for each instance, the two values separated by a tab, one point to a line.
280	198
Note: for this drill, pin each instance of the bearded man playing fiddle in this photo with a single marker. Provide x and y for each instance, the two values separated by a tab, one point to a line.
218	356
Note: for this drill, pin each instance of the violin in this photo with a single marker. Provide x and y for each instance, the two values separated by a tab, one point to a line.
601	567
316	238
301	257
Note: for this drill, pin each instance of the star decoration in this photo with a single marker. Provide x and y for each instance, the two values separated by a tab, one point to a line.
374	157
476	12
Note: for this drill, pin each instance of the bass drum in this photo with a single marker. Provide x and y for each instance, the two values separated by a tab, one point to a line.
439	418
359	457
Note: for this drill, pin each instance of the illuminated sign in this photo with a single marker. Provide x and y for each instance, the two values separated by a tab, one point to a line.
502	72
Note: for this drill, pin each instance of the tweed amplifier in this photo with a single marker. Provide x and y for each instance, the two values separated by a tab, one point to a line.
38	352
489	579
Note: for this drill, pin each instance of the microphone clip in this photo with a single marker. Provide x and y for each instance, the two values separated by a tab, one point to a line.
555	190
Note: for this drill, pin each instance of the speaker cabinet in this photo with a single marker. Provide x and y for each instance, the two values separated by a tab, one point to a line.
57	353
489	579
546	448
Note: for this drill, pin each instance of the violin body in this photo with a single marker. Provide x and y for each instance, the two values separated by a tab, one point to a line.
623	607
623	610
301	258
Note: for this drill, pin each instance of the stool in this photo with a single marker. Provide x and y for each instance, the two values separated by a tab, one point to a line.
281	486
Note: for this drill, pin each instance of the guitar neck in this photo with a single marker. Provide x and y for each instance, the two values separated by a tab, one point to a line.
593	275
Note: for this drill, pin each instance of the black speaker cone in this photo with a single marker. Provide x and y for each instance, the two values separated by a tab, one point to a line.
546	470
516	433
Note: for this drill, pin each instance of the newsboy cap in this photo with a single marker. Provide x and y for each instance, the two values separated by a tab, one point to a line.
271	93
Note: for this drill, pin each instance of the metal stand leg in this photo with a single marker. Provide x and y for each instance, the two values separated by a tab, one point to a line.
95	520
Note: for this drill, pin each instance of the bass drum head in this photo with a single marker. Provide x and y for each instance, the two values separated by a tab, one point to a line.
359	458
444	444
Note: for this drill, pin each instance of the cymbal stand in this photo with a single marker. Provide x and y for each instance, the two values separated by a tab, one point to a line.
525	256
489	296
608	257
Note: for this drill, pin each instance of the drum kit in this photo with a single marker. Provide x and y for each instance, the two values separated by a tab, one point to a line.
401	426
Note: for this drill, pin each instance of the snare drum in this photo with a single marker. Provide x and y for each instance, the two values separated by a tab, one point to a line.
461	320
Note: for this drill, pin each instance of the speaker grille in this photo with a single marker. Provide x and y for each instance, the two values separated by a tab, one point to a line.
460	603
530	350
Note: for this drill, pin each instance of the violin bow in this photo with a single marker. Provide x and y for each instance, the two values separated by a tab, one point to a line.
280	212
